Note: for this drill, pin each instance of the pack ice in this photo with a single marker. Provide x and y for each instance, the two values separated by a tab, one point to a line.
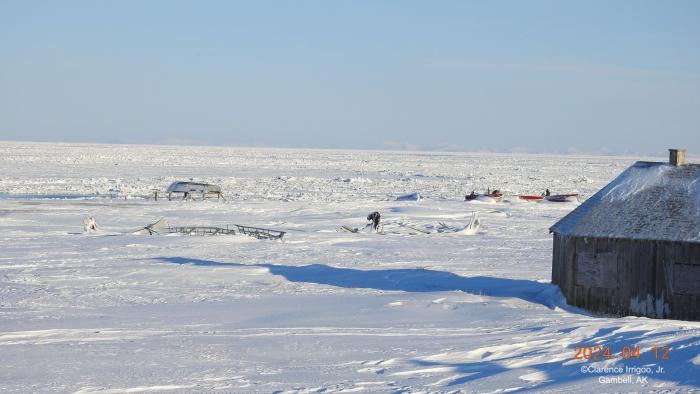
411	308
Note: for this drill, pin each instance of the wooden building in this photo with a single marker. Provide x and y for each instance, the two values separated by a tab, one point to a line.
633	248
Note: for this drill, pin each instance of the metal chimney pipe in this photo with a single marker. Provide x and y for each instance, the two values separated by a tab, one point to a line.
676	157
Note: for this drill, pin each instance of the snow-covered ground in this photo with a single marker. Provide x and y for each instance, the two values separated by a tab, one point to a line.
320	311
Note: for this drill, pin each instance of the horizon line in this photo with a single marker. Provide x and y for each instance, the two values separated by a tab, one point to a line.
388	146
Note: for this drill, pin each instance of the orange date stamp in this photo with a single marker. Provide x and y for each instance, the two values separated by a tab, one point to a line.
626	352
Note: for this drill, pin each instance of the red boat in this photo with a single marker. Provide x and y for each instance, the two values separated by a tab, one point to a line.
531	198
554	198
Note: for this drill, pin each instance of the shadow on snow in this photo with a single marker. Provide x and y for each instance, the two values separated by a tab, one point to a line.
409	280
681	371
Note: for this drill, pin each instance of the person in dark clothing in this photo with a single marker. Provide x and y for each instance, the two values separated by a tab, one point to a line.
374	217
546	192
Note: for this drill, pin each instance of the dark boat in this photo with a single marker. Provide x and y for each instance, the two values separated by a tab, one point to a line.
562	197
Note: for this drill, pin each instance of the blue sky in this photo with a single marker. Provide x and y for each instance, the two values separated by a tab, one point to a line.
540	76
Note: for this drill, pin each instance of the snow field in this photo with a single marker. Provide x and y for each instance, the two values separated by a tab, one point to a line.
320	311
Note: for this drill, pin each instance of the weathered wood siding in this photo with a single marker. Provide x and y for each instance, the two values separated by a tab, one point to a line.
658	279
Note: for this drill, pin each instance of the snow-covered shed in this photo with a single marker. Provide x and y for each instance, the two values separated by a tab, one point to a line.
633	248
189	189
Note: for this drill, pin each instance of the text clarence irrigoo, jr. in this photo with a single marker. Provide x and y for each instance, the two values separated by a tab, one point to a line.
624	374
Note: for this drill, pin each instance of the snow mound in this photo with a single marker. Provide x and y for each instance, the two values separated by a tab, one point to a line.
482	199
410	197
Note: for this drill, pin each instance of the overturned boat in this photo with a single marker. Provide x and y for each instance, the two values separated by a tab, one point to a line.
190	189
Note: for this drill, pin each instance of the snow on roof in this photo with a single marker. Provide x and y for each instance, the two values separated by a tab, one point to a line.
647	201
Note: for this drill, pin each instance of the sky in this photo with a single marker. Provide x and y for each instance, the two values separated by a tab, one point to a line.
526	76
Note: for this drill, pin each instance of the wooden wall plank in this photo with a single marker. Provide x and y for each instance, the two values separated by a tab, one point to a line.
658	279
